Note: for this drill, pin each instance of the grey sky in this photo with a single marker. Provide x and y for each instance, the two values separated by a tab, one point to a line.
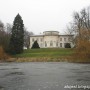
41	15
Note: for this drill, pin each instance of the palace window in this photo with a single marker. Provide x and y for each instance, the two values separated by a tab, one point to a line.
41	39
41	45
60	39
51	43
60	44
64	39
57	44
69	39
65	44
32	39
37	39
45	44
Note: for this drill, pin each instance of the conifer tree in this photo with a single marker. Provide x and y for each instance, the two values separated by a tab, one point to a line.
67	45
17	37
35	45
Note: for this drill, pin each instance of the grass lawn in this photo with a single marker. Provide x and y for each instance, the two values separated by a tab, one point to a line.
46	52
48	55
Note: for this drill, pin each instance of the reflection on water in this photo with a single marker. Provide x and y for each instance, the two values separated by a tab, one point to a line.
15	73
8	68
81	74
1	88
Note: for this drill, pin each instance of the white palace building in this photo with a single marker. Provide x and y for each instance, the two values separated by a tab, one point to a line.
51	39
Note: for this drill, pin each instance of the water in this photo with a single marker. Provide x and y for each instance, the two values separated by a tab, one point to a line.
44	76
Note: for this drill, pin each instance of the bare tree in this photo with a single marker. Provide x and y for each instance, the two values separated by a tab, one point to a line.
1	26
5	35
2	33
9	28
27	38
80	27
82	20
81	23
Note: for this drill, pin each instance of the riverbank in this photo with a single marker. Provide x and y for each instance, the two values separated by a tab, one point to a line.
47	59
47	55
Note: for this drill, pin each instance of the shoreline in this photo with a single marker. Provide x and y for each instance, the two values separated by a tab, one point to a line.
45	59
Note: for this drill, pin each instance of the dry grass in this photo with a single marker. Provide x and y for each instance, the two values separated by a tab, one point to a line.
44	59
3	55
45	55
82	51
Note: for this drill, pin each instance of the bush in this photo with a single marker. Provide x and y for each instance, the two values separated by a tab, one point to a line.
82	50
67	45
35	45
3	55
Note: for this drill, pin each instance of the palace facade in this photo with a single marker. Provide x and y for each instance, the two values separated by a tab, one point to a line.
51	39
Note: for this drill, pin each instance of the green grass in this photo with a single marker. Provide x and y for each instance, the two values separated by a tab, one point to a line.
48	55
46	52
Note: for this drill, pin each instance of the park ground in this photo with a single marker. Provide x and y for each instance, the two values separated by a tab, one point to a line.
45	54
49	55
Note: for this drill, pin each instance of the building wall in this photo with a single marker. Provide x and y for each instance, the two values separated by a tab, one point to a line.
65	39
51	41
39	40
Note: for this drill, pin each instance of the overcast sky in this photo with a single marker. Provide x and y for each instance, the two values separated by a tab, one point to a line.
41	15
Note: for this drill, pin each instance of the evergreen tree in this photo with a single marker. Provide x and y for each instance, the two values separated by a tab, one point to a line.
17	37
67	45
35	45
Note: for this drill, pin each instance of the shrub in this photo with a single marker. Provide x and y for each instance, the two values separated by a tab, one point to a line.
35	45
82	50
67	45
3	55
